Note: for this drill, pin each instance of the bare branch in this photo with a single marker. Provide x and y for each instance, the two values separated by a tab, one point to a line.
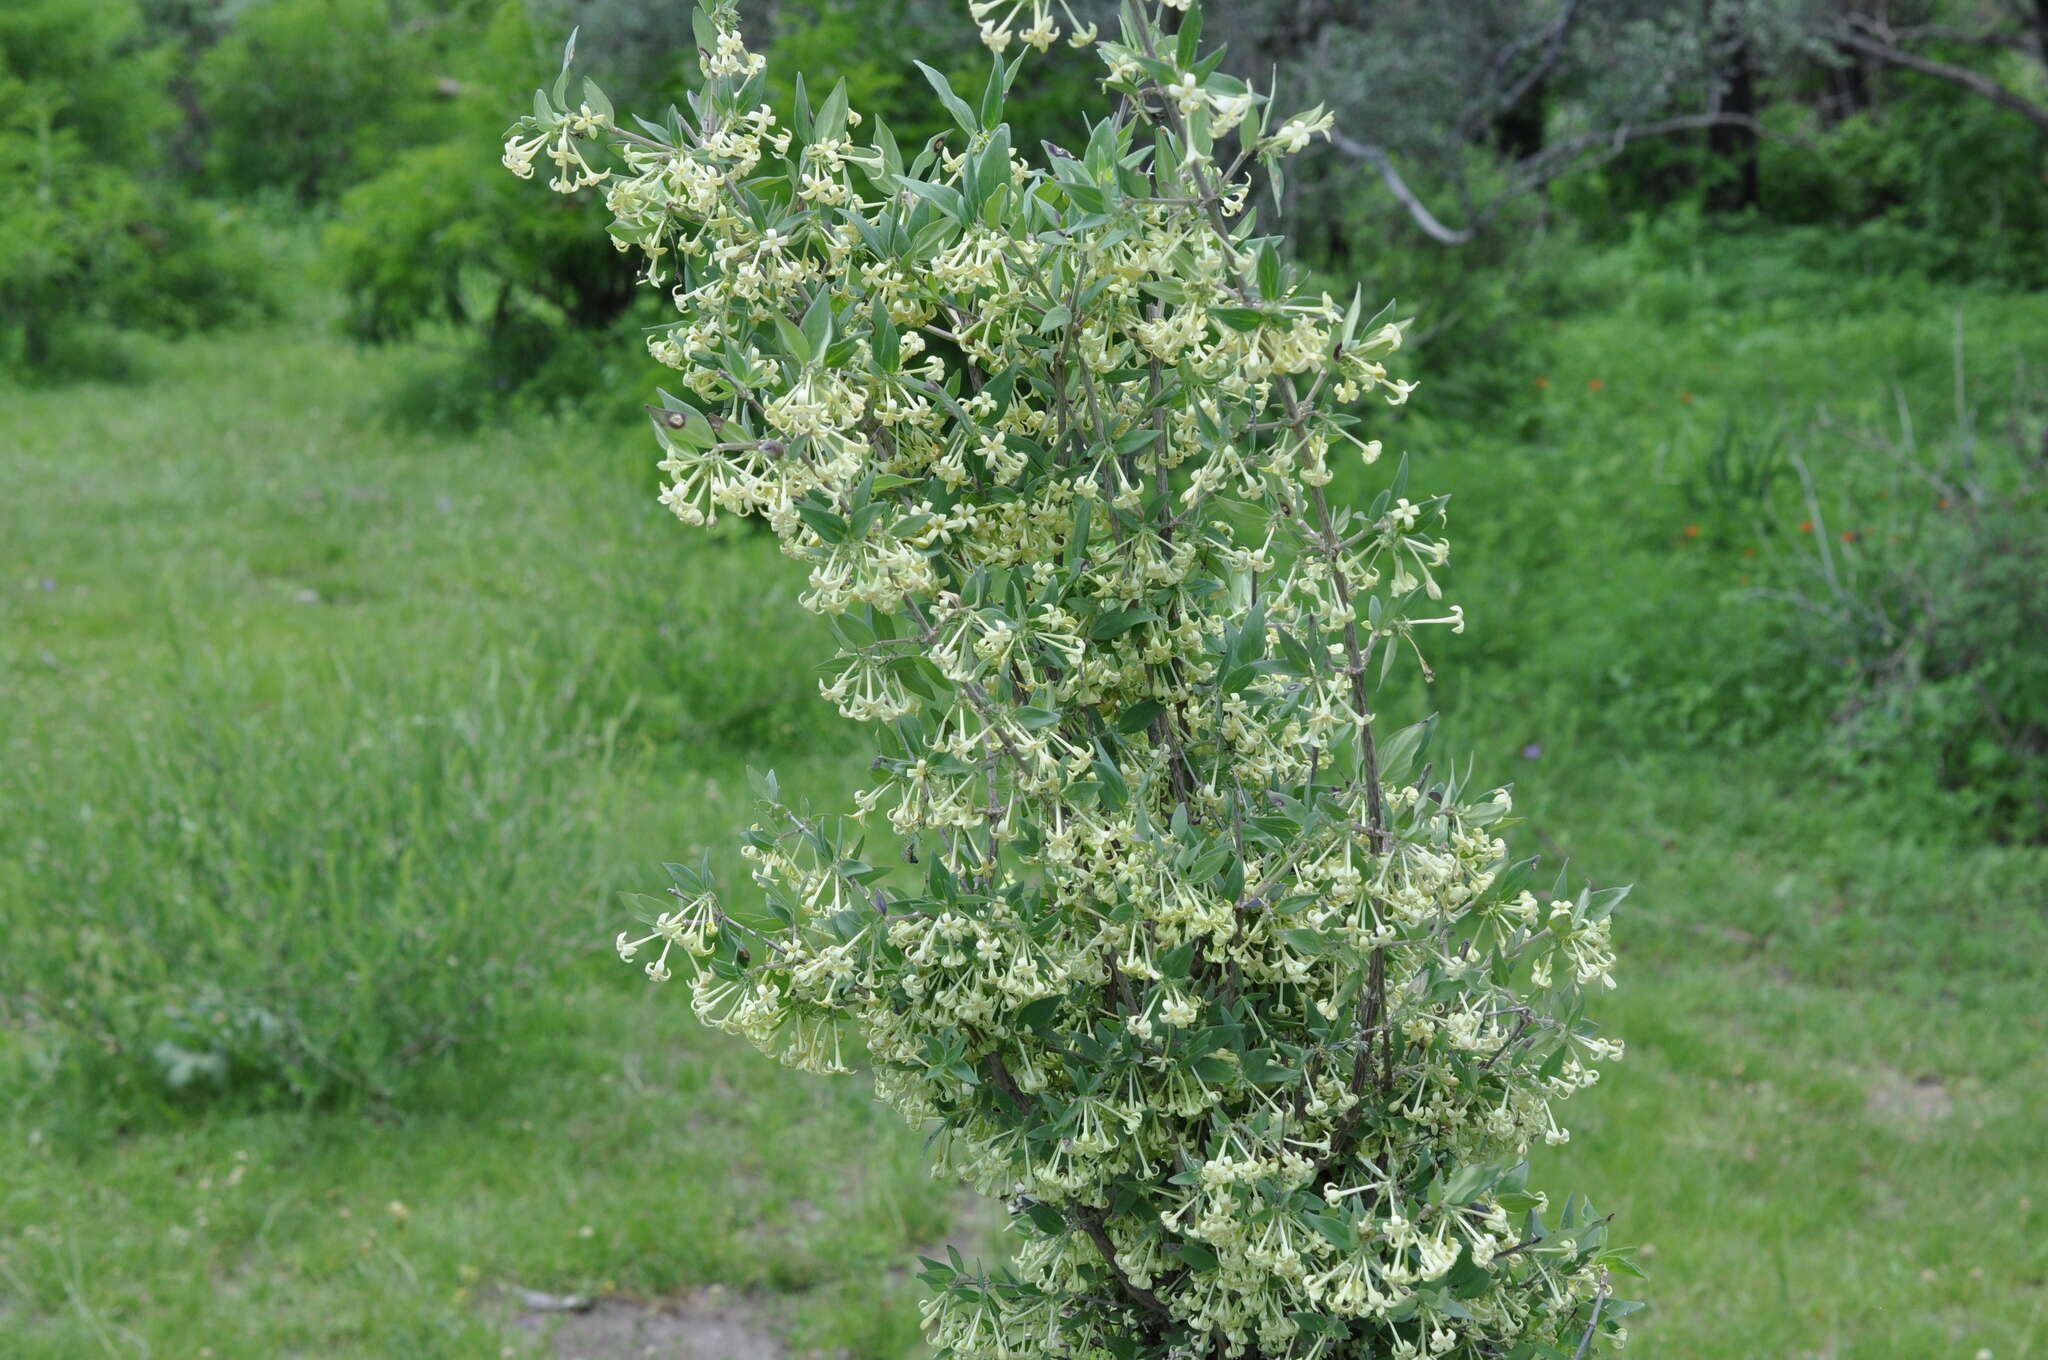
1377	157
1553	40
1092	1224
1962	36
1593	1327
1534	172
1497	100
1873	42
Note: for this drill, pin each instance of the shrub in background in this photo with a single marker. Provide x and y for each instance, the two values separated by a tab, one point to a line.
305	97
1232	999
437	239
538	307
1939	181
90	237
1924	594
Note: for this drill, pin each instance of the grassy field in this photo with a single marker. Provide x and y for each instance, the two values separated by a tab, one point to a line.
371	725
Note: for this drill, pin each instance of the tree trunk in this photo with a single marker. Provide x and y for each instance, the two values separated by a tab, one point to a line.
1732	147
1849	85
1518	131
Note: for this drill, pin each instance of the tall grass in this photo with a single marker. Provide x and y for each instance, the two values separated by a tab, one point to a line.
295	886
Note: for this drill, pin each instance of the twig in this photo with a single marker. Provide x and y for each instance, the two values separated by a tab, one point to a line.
1091	1224
1593	1327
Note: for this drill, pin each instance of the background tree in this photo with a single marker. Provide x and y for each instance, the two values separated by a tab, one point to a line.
90	231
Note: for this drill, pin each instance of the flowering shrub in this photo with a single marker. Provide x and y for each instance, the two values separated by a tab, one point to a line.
1238	1007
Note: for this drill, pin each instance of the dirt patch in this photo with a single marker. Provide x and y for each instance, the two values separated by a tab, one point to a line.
711	1324
1909	1105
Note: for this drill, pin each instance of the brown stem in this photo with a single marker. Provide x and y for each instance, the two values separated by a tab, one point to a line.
1091	1224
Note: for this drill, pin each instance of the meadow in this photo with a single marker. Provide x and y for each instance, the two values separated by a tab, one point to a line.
327	745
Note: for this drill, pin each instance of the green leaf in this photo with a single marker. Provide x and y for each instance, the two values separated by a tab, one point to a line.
1310	942
1087	197
830	122
886	342
1269	272
1188	41
990	168
993	93
1035	1015
1115	792
828	524
955	105
1130	441
794	341
1469	1183
1335	1229
568	59
817	323
944	197
1176	963
1138	716
1398	753
681	424
1262	1068
1117	622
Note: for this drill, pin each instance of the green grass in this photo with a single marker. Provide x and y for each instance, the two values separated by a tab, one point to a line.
424	697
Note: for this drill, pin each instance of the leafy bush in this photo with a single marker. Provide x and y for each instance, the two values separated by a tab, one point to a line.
87	237
1940	180
1231	997
438	238
533	297
1932	611
289	892
306	97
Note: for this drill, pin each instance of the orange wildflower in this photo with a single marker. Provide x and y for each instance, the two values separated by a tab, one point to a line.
1806	526
1594	384
1692	531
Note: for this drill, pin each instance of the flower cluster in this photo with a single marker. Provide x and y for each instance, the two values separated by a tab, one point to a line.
1234	999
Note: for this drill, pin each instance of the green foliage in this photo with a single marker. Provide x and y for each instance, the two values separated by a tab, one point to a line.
305	97
439	238
1480	310
1925	592
874	45
1937	180
1186	940
287	889
87	238
1823	973
537	305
